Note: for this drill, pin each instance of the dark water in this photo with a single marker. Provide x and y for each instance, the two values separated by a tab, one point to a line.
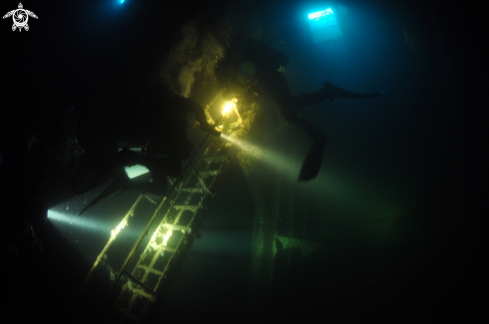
397	205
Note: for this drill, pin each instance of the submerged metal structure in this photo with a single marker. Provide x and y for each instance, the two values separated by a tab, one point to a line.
143	282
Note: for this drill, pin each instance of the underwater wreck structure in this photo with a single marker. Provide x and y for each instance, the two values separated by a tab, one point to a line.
139	287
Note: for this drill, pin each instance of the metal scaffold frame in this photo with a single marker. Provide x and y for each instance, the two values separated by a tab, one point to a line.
152	275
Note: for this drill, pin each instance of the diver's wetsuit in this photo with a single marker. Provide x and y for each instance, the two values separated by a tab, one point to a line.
273	83
269	81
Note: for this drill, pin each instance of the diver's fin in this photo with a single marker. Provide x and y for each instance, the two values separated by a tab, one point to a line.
312	163
119	183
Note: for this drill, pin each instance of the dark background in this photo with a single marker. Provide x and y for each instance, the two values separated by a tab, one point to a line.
98	56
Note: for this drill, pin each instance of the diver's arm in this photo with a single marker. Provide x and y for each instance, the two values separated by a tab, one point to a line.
196	110
199	114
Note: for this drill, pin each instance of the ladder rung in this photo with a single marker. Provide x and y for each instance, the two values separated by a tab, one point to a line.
154	271
186	207
208	173
199	175
180	228
144	294
137	281
215	158
193	190
167	248
151	200
235	125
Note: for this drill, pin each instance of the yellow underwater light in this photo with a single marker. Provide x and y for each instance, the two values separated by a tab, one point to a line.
228	106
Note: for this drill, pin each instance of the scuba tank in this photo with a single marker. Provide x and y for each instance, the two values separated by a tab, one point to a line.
246	73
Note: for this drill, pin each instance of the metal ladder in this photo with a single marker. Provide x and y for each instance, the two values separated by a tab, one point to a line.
164	253
152	275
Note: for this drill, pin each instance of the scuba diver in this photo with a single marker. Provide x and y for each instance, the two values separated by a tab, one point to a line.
159	125
251	66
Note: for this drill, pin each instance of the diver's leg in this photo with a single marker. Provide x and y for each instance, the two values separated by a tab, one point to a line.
276	87
331	92
311	130
312	163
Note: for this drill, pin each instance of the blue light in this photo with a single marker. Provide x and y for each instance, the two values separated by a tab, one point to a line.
122	1
324	26
319	14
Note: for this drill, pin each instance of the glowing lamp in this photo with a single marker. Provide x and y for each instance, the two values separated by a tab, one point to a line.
227	108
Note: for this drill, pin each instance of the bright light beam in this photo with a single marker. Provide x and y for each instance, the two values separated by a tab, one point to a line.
87	224
78	221
287	166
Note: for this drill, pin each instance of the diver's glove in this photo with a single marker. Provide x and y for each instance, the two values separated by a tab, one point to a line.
209	129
